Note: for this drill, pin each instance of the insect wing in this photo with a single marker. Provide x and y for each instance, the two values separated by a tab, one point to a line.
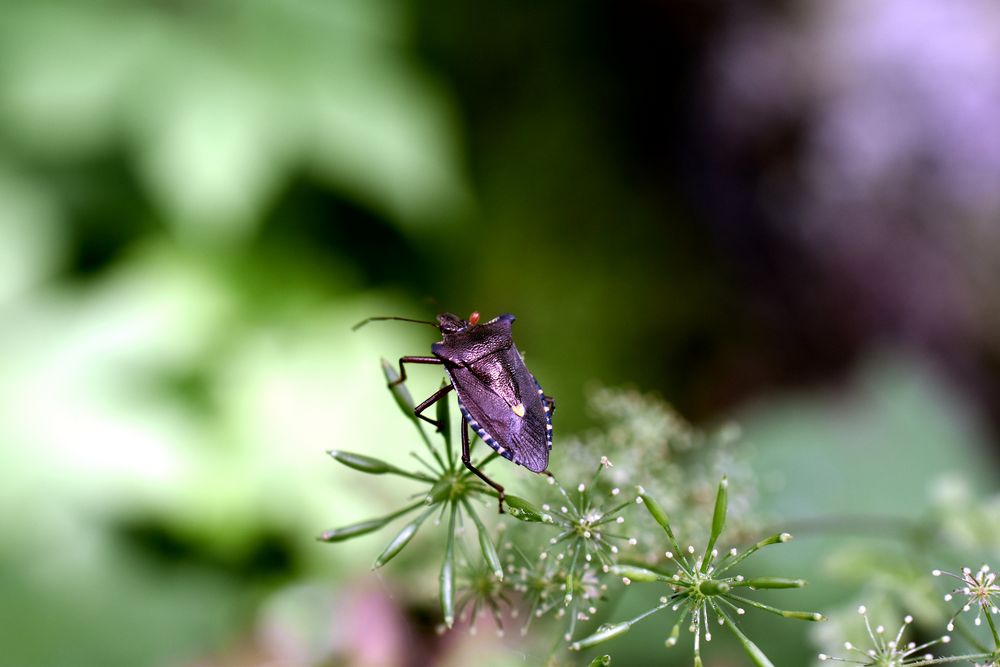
523	439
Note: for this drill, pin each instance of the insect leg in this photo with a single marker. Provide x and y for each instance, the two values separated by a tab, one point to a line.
412	360
467	460
434	398
550	403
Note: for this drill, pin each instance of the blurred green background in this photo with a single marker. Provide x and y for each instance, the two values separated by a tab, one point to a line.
779	212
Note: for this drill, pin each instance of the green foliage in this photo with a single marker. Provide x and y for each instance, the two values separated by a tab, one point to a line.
220	104
196	200
567	574
889	651
700	586
451	489
681	464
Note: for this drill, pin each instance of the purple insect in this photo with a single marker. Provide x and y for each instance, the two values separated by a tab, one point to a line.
497	394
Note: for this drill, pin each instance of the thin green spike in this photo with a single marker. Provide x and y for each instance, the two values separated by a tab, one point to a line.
718	521
401	539
363	527
756	655
486	545
373	466
446	581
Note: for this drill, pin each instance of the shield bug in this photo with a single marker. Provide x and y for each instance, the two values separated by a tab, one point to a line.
497	395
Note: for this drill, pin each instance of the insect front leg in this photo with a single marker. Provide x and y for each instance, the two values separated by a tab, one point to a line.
467	460
412	360
434	398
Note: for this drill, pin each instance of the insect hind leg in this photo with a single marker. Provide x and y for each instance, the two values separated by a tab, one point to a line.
547	401
467	461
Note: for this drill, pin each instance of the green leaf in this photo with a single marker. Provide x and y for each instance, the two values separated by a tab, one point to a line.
446	581
603	634
636	573
521	509
780	538
752	650
772	582
402	539
367	464
600	661
804	615
405	402
364	527
489	550
675	633
660	517
800	615
372	466
399	391
354	530
490	554
718	520
444	418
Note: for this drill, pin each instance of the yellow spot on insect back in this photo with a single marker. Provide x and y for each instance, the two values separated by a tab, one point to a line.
518	409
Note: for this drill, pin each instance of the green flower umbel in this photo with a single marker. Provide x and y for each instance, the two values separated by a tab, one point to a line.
886	651
981	592
565	574
451	490
703	588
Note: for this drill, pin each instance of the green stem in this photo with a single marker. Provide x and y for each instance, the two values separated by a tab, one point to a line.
436	474
802	615
993	629
481	488
420	477
953	658
774	539
430	446
597	474
612	514
617	629
751	649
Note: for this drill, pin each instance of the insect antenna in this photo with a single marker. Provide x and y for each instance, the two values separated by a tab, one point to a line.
401	319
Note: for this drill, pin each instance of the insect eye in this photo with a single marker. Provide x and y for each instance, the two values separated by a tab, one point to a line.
474	317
